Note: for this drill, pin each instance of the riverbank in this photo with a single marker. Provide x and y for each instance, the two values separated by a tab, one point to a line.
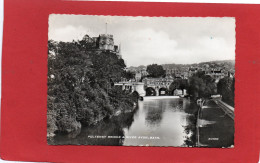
192	109
98	134
73	127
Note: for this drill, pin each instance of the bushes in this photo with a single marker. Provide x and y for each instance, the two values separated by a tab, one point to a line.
68	124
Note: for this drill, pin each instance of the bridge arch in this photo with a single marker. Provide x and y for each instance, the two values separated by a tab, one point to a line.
178	84
150	91
163	91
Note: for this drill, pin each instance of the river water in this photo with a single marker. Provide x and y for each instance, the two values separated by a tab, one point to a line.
156	122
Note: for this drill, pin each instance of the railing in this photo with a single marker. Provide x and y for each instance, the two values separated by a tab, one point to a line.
129	83
229	110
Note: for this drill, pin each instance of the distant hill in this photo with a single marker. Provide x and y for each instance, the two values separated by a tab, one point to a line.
139	68
224	64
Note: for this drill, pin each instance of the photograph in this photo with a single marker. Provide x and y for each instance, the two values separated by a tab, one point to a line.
141	81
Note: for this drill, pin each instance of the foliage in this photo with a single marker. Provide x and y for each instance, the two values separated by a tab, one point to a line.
201	85
178	84
81	85
226	89
155	70
51	123
129	75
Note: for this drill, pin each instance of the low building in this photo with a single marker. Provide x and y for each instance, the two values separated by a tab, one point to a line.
177	92
138	76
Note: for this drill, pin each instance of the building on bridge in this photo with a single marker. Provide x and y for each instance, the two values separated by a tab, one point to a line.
157	82
152	87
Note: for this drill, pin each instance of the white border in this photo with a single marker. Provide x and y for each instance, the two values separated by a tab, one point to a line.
187	1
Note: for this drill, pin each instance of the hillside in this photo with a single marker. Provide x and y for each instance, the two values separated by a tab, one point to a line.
224	64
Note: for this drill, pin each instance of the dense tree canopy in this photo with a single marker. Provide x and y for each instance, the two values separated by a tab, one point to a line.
179	84
80	85
155	70
129	75
201	85
226	89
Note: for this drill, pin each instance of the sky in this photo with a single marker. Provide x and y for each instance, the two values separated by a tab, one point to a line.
148	40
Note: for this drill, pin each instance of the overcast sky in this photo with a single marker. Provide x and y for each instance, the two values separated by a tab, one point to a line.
147	40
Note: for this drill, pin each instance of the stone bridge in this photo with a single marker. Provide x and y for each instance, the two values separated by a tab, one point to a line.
147	89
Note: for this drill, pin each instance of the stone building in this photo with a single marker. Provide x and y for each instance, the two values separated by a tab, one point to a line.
177	92
158	82
105	42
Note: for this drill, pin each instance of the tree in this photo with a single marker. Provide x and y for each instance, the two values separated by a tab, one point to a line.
196	86
68	68
155	70
225	87
129	75
201	85
178	84
80	85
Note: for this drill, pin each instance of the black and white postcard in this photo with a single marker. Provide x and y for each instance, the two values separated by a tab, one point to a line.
141	81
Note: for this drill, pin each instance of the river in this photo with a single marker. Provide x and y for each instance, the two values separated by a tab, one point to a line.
155	122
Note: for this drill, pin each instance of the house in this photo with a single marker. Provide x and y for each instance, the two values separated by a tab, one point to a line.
177	92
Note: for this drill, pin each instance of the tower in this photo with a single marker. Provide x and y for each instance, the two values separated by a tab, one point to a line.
106	42
119	51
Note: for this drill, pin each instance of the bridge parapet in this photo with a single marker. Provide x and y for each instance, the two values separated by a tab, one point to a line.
129	83
227	108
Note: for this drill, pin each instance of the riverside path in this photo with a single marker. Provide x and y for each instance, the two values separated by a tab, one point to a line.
215	128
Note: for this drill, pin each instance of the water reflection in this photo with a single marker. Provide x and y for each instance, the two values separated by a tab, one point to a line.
154	112
110	132
165	119
157	122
